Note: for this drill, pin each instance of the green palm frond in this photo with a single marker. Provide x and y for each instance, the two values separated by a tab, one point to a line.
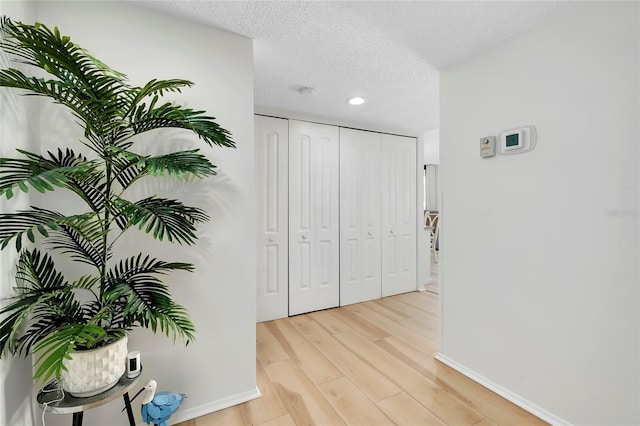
86	282
81	230
149	305
180	164
16	315
89	184
97	94
94	92
127	268
57	331
57	324
156	88
59	345
148	301
54	309
61	169
111	312
129	167
134	97
82	241
40	173
55	53
39	285
145	118
88	110
126	167
162	217
37	271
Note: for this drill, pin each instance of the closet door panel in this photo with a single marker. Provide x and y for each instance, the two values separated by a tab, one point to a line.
300	218
398	214
350	224
271	138
359	216
370	217
313	217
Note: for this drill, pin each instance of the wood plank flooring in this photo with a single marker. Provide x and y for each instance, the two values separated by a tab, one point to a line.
365	364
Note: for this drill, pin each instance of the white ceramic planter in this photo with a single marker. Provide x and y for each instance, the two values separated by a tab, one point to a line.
94	371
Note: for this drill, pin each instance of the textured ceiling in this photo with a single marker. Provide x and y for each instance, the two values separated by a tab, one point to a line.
389	52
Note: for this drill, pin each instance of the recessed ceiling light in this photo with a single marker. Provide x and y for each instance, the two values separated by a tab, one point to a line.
356	100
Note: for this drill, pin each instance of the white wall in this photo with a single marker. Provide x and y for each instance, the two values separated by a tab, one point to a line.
218	368
540	264
432	146
15	132
423	269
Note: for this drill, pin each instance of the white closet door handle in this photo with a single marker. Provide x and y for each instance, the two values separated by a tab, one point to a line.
304	237
270	240
391	231
369	233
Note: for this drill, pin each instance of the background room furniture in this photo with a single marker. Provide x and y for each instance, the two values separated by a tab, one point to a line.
432	220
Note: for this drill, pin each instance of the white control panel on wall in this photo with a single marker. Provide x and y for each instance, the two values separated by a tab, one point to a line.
518	140
488	146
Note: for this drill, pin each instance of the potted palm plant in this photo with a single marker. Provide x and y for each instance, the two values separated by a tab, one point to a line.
54	317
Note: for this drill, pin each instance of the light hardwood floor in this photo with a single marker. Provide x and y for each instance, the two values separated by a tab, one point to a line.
365	364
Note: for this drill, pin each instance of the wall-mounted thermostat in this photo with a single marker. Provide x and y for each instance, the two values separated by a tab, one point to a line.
488	146
518	141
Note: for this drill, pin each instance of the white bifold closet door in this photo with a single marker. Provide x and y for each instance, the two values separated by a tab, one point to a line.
272	141
399	209
359	216
313	217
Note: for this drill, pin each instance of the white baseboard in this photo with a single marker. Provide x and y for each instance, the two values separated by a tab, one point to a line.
503	392
210	407
422	287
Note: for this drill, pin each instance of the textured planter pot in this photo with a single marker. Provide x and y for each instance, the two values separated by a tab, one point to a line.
94	371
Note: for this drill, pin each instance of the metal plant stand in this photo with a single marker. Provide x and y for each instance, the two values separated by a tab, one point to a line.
77	406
